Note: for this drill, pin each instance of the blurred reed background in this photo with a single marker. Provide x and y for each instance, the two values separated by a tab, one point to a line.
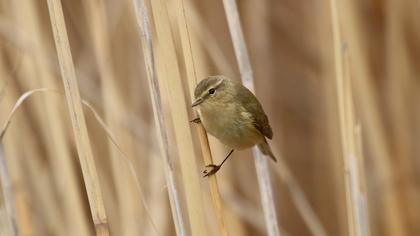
338	80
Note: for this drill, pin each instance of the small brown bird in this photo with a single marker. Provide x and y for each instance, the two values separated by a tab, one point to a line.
232	114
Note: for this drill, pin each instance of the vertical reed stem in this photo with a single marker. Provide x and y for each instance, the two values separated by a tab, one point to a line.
68	75
355	219
247	79
143	23
169	68
204	143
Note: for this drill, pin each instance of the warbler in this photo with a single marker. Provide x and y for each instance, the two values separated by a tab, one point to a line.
232	114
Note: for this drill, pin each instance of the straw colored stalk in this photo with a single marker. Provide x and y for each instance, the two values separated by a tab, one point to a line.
356	216
192	82
52	125
143	23
354	165
113	107
170	74
366	99
90	175
363	203
244	63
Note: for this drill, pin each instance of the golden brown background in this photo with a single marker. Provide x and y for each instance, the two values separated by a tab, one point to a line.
291	46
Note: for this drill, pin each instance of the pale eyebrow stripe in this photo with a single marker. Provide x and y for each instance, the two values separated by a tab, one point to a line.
215	86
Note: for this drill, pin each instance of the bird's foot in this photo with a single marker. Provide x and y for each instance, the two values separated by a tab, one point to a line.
212	171
196	120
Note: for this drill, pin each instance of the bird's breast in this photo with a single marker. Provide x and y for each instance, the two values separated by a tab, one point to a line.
232	126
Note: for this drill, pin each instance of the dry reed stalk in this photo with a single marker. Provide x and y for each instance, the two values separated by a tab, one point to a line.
113	107
52	124
346	127
363	206
366	99
6	185
192	82
170	74
77	117
355	156
357	215
244	63
143	23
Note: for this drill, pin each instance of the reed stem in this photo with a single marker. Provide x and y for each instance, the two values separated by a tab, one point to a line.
244	63
68	75
143	23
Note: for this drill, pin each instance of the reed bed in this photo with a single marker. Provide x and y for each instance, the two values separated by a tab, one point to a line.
338	81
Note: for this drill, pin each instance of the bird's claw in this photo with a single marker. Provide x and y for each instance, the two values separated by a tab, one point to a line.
212	171
196	120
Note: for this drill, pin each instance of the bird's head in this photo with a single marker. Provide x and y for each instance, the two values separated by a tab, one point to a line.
212	90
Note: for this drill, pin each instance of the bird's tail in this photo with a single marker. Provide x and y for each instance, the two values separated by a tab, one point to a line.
266	150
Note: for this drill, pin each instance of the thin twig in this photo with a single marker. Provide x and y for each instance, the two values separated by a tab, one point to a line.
247	79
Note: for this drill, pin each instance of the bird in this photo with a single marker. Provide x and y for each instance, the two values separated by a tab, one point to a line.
230	112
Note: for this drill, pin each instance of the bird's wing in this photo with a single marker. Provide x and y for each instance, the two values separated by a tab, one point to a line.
264	127
260	121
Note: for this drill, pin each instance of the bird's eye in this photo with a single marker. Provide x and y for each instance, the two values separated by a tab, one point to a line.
212	91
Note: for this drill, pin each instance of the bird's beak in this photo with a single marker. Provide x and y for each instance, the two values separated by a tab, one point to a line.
197	102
